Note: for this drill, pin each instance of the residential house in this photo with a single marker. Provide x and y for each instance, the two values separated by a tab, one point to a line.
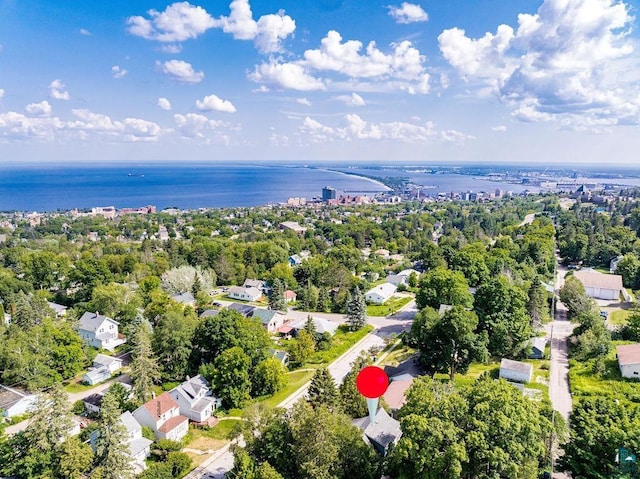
195	399
515	371
245	294
15	401
599	285
185	299
293	226
384	253
289	296
322	325
394	396
613	264
381	293
103	367
100	331
270	319
629	360
538	345
281	356
402	277
60	310
297	259
93	403
162	415
139	447
255	283
382	433
244	309
210	313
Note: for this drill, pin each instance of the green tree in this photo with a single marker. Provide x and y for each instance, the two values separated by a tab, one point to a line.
276	296
144	367
112	454
301	348
443	286
323	391
356	310
352	402
573	296
266	471
501	310
270	377
172	343
629	268
537	306
448	343
74	459
231	377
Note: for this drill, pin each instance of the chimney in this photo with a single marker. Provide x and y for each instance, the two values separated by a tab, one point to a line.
159	413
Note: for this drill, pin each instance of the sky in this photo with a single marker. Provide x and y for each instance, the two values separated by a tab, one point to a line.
349	81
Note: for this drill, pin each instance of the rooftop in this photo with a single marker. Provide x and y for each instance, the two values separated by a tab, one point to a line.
595	279
160	405
518	366
91	321
628	354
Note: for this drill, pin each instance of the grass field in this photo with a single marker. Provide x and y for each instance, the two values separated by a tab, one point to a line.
619	317
390	307
585	382
342	341
398	355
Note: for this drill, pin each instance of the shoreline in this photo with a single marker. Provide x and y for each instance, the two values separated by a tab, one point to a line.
356	175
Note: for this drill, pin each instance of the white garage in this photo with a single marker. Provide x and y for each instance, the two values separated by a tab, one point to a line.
599	285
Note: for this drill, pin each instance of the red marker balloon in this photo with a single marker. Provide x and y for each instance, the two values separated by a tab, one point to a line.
372	382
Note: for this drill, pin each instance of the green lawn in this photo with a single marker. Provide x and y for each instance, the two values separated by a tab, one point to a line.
342	341
295	380
398	355
390	307
585	382
221	430
619	317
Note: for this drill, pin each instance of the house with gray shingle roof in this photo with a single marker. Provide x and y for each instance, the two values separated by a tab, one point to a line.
100	331
270	319
516	371
382	433
195	399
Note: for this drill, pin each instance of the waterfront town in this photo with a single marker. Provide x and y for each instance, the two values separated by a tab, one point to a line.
218	343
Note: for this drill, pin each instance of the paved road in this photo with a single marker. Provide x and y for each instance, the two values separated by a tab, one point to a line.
222	461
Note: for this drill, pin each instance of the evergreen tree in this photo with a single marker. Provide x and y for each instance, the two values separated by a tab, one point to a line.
324	300
310	328
276	296
356	311
353	403
144	368
112	455
74	459
323	391
537	303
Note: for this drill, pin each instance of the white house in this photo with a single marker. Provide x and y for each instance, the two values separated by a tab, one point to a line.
322	325
139	447
100	331
599	285
516	371
93	402
538	345
103	367
186	299
162	415
14	401
381	293
195	399
245	294
59	309
629	360
255	283
270	319
402	277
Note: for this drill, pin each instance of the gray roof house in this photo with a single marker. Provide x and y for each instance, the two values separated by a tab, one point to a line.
382	433
195	399
209	313
516	371
322	325
14	401
538	345
59	309
270	319
184	298
103	367
244	309
100	331
245	294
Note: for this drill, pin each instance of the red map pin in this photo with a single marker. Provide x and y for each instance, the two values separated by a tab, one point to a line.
372	382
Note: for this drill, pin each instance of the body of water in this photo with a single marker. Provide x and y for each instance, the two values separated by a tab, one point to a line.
181	186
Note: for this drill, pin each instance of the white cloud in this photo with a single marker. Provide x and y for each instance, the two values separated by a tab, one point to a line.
301	101
565	63
57	90
172	49
356	128
180	21
181	71
195	126
408	13
367	69
164	104
499	128
286	75
351	100
268	32
213	103
39	109
118	72
17	126
136	129
85	32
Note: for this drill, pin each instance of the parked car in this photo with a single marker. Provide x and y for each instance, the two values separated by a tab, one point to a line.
604	314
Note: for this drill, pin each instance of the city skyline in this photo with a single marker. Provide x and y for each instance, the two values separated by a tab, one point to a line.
361	81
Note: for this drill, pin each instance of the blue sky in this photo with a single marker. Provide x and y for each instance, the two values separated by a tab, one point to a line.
302	80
